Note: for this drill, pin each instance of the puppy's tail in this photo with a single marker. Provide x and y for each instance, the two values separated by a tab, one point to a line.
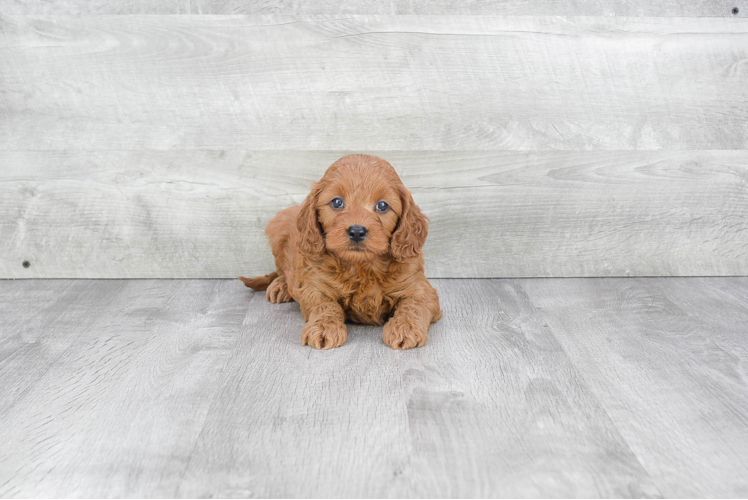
260	282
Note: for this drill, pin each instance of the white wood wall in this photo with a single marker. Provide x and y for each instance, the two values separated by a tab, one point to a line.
603	138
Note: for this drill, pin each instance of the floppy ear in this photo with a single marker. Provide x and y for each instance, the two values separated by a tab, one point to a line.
311	241
412	229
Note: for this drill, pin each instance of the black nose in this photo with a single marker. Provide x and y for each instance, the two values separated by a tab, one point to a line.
357	233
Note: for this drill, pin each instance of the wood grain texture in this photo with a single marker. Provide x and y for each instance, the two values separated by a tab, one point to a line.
409	82
118	408
665	8
201	214
707	309
663	371
40	324
490	356
202	389
387	425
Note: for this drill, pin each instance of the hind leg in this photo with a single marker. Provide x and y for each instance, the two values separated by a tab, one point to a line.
278	291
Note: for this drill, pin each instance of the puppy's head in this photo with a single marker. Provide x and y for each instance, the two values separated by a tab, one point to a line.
359	211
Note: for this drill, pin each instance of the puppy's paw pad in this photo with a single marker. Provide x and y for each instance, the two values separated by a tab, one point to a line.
324	334
277	291
402	335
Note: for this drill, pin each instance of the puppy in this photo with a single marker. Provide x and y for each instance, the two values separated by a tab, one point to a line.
352	251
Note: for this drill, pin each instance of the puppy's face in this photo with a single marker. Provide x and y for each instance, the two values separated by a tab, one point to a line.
359	211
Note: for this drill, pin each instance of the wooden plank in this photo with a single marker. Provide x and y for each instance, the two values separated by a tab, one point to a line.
39	325
372	82
705	301
118	412
290	422
177	214
496	409
666	8
472	414
527	388
676	392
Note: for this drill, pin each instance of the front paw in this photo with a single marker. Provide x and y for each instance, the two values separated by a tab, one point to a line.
277	291
403	334
324	334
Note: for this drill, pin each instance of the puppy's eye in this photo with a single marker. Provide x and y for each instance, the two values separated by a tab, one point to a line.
337	203
382	206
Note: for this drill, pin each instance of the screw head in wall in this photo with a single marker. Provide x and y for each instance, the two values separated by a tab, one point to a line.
735	10
26	264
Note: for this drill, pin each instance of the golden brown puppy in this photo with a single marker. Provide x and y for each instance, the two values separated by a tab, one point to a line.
352	251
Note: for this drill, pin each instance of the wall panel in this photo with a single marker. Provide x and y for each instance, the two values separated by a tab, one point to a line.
200	214
574	145
663	8
373	82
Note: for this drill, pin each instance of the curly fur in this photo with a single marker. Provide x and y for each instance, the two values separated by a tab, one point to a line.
377	281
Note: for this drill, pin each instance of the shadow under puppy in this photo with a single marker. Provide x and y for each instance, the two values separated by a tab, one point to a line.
352	251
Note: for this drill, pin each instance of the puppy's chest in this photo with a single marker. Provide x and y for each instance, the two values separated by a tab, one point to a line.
366	303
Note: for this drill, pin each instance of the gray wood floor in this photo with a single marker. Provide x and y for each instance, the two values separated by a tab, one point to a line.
624	387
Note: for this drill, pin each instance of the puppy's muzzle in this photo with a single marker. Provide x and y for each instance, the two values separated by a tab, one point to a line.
357	233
